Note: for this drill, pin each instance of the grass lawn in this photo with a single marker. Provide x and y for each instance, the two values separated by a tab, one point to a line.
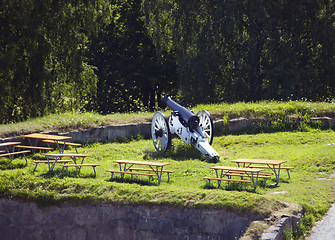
265	109
304	147
311	184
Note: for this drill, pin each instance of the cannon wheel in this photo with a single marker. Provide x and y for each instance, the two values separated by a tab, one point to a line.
206	123
160	132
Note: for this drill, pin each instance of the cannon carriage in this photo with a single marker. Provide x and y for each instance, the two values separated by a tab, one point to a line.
192	129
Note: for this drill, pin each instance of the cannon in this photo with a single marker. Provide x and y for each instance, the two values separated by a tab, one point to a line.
192	129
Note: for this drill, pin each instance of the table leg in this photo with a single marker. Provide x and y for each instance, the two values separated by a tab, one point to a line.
58	147
75	162
217	175
54	164
63	149
34	145
255	183
124	169
8	151
50	167
159	175
276	173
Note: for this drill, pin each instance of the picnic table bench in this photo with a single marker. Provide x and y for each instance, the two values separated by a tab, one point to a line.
150	170
242	175
227	171
274	165
9	150
58	140
79	166
75	145
155	169
58	156
276	168
34	147
50	161
131	173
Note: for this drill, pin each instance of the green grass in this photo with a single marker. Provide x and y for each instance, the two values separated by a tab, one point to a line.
311	184
70	121
265	109
271	109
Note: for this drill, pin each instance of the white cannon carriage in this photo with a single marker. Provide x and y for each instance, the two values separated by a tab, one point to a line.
192	129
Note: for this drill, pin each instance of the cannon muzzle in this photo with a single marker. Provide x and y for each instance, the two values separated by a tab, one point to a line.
187	118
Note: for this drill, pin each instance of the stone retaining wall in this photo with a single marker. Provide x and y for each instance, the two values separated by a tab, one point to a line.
109	133
24	220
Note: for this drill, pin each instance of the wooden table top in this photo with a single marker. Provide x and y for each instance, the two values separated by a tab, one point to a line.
46	136
6	144
156	164
259	161
237	169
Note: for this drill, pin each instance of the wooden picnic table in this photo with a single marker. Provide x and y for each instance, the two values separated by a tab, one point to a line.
59	156
274	165
126	167
8	145
57	139
222	171
9	150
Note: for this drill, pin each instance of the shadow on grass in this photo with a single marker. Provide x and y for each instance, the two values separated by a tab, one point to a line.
233	186
134	180
55	173
236	186
61	173
7	164
37	156
180	152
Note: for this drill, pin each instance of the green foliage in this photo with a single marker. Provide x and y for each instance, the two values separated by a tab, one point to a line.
247	50
131	75
123	56
42	48
283	115
306	151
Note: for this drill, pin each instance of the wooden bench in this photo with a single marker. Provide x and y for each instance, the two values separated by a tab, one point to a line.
281	167
59	156
151	170
228	180
66	143
50	161
131	173
75	145
264	176
15	153
35	147
79	166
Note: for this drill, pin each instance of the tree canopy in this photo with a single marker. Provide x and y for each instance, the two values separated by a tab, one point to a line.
42	55
247	50
124	55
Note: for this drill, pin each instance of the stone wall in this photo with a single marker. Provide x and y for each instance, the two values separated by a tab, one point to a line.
109	133
24	220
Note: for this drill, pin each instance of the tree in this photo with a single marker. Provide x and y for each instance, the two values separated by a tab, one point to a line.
131	75
42	60
247	50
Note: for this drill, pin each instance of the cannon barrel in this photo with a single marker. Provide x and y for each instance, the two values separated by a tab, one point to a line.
189	118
